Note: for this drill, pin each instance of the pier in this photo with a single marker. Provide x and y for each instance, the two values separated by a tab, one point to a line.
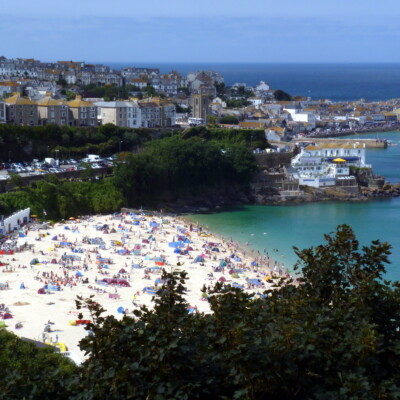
368	143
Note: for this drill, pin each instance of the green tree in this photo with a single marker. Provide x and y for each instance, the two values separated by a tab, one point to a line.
150	91
280	95
229	119
220	87
29	372
335	335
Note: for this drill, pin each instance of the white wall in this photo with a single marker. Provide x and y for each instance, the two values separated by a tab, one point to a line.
14	221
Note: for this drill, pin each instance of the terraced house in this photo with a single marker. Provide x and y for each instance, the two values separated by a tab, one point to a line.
53	111
82	113
21	111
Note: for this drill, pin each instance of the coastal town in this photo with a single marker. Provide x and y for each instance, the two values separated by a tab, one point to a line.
71	93
199	200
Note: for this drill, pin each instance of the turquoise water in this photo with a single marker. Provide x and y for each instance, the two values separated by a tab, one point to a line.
282	227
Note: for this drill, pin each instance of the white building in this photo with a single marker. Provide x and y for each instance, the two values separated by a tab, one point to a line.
14	221
321	165
120	113
256	101
298	115
262	87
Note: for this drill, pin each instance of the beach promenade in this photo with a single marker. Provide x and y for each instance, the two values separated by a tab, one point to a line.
119	259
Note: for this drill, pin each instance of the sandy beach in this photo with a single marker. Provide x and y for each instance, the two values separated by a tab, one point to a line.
118	259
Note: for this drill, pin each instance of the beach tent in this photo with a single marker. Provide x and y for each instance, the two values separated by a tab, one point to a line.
7	316
121	271
255	282
175	244
149	290
222	263
54	238
121	310
116	281
34	261
41	291
216	249
160	281
199	259
222	279
191	310
22	286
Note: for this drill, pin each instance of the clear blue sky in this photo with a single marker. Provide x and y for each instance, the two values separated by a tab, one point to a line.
207	30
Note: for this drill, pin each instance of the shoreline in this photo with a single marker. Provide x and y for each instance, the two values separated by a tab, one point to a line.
249	251
79	257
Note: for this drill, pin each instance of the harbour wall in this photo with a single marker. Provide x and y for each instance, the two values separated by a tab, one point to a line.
369	143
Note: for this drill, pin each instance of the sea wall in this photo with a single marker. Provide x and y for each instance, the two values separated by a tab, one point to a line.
368	143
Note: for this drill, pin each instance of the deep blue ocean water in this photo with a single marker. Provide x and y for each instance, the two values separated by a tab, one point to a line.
282	227
337	82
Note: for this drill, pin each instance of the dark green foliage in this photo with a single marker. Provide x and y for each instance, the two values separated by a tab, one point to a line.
63	199
173	167
280	95
229	119
237	103
220	88
334	336
25	142
226	137
28	372
183	110
109	92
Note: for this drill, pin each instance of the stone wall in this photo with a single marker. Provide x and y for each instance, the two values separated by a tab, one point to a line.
272	160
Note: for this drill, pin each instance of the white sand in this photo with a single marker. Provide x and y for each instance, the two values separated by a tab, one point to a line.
59	306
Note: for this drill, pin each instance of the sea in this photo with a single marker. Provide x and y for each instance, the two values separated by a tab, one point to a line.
277	229
337	82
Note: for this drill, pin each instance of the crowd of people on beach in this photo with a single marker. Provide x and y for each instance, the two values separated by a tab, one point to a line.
119	258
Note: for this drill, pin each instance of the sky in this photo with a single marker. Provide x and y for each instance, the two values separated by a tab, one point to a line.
201	31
